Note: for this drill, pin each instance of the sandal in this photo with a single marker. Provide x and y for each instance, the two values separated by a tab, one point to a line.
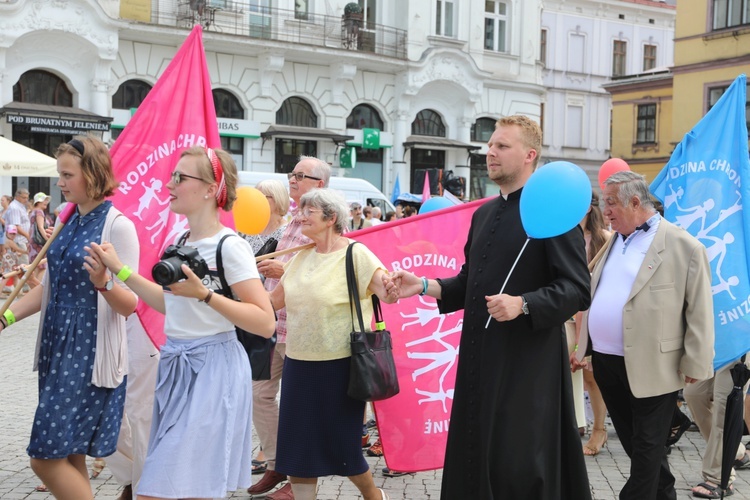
713	491
42	488
742	463
591	449
678	430
97	467
376	450
259	466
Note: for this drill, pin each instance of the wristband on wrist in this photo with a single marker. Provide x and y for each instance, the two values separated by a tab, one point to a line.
424	286
207	298
9	317
124	273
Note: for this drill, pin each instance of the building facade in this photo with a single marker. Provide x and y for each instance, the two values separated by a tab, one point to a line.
585	45
656	110
413	87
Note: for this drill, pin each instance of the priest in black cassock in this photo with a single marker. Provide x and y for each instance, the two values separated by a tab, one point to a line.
513	432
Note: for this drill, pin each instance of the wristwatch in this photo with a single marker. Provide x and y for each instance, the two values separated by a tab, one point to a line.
524	305
107	286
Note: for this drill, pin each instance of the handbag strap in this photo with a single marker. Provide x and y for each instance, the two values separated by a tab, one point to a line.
351	283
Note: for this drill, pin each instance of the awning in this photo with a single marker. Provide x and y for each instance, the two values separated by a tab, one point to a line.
437	143
19	161
48	119
288	131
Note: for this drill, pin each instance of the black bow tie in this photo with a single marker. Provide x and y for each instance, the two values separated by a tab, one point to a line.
643	227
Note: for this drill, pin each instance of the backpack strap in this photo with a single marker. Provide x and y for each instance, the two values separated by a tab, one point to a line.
225	289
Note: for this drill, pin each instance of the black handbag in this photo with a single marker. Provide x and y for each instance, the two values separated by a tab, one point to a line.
372	375
259	349
36	235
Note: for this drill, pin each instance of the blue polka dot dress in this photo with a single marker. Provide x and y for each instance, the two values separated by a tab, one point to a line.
73	416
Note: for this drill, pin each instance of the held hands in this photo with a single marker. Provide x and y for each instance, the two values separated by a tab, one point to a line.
271	268
402	283
504	307
576	365
93	264
104	254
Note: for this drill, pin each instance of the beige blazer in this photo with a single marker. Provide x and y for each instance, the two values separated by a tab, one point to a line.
668	320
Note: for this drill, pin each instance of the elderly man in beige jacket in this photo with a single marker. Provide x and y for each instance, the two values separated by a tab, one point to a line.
651	329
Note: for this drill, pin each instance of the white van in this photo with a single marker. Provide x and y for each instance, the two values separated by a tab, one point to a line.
353	189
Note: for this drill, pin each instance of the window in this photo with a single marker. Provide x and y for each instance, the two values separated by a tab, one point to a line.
428	122
369	13
364	116
444	21
543	47
260	17
649	57
297	112
646	124
300	9
130	94
495	23
482	129
42	87
729	13
716	92
619	58
227	105
574	126
576	52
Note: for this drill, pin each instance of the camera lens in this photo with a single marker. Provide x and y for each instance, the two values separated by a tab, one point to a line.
166	272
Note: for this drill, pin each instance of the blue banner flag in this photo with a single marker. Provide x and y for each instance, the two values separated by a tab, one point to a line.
702	187
396	191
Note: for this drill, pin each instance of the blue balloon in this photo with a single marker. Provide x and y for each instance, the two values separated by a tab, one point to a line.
555	199
434	204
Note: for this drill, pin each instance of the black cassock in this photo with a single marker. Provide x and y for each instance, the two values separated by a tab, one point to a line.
513	432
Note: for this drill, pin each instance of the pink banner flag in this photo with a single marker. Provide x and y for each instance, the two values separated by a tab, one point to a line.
426	194
177	114
413	425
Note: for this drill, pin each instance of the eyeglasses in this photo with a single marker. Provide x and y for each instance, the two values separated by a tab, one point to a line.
308	211
299	176
178	177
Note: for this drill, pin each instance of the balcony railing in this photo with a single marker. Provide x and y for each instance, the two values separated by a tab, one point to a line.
266	23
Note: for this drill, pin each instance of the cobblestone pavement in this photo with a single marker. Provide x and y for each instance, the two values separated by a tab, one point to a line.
607	471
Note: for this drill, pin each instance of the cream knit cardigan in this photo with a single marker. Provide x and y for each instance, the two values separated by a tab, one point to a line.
111	358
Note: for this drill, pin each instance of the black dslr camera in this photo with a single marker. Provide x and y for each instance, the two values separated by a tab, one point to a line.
168	270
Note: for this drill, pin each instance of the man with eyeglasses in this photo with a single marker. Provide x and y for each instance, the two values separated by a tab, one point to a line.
357	221
18	214
309	173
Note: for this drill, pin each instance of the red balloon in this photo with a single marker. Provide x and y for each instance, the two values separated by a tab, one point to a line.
609	167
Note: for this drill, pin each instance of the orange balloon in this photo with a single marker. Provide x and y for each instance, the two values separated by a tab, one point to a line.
251	211
609	167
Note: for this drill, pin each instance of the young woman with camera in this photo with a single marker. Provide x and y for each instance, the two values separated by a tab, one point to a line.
200	445
82	351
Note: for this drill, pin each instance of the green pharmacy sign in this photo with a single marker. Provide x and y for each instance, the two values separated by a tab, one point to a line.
370	138
348	157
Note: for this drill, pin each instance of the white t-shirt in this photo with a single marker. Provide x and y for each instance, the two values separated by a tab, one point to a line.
187	318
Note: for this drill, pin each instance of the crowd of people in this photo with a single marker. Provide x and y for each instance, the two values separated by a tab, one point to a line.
636	296
23	223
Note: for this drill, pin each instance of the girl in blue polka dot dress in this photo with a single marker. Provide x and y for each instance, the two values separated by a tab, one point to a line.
81	351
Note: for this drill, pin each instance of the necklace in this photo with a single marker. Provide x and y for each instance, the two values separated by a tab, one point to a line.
333	244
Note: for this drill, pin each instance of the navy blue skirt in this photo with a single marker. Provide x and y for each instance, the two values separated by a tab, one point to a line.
320	427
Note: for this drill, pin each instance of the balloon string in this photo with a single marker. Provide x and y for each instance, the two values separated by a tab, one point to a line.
508	277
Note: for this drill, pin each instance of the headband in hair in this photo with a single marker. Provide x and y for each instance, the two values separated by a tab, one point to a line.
221	193
77	145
